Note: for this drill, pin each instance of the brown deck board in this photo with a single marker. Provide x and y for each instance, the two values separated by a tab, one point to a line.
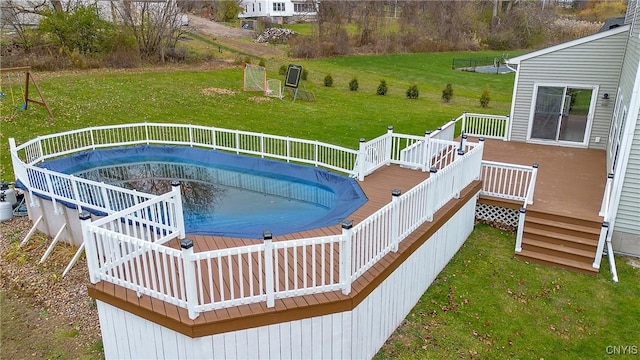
377	188
570	181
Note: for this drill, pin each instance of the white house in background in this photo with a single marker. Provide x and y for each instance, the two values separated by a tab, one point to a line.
586	93
279	10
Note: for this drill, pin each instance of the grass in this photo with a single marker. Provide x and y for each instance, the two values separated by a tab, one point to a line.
340	116
487	304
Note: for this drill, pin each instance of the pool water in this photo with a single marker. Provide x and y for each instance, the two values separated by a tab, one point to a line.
226	194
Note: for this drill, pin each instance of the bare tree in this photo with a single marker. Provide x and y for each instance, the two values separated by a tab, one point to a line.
155	25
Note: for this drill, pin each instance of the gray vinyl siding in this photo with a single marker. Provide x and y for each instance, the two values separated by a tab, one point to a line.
597	62
628	217
631	11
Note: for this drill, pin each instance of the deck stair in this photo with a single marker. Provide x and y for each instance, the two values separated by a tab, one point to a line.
560	241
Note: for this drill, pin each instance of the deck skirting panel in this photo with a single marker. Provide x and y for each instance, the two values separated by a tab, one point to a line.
357	333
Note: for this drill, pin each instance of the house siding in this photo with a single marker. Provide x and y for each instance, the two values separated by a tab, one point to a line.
601	59
626	223
631	11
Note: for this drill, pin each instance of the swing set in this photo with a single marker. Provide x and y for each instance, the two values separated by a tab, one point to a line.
11	78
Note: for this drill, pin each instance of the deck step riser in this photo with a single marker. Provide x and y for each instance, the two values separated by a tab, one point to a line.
555	264
564	219
565	253
591	246
585	234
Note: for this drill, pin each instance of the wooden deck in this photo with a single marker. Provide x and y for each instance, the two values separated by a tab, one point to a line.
570	183
377	188
562	226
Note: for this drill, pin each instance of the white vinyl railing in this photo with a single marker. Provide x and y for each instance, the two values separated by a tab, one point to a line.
266	271
483	125
241	142
509	181
126	248
605	231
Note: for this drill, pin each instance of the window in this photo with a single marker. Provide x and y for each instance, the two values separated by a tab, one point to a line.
303	8
253	7
278	6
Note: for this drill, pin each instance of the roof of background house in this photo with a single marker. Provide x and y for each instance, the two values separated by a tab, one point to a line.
612	23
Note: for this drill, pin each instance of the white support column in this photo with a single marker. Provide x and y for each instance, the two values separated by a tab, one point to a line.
89	246
189	277
179	216
463	142
463	128
506	129
395	218
345	256
523	212
268	268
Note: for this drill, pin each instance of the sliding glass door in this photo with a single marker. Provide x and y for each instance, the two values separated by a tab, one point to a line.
561	113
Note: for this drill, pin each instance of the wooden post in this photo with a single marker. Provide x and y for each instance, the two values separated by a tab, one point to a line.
268	268
395	218
189	277
345	256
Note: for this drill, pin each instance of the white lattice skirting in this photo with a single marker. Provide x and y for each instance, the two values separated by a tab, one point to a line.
496	215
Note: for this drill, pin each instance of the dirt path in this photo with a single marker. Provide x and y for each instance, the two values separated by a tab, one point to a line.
233	37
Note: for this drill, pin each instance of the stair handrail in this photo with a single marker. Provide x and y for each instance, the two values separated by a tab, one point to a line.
605	230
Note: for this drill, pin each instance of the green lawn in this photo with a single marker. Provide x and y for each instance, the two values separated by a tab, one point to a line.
486	304
90	98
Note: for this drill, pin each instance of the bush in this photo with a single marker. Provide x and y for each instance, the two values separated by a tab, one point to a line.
328	80
261	63
382	88
282	70
485	97
447	93
412	92
247	59
353	84
304	75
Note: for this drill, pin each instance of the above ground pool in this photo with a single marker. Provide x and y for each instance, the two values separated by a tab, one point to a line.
225	194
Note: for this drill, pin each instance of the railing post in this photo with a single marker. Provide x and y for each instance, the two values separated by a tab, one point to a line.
426	156
89	246
395	218
189	277
479	177
532	183
268	268
521	217
432	192
179	216
345	256
362	159
463	142
389	143
506	135
606	196
463	128
604	232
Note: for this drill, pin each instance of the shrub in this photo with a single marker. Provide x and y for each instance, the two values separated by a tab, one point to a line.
304	75
261	63
485	97
412	92
247	59
447	93
382	88
353	84
282	70
328	80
